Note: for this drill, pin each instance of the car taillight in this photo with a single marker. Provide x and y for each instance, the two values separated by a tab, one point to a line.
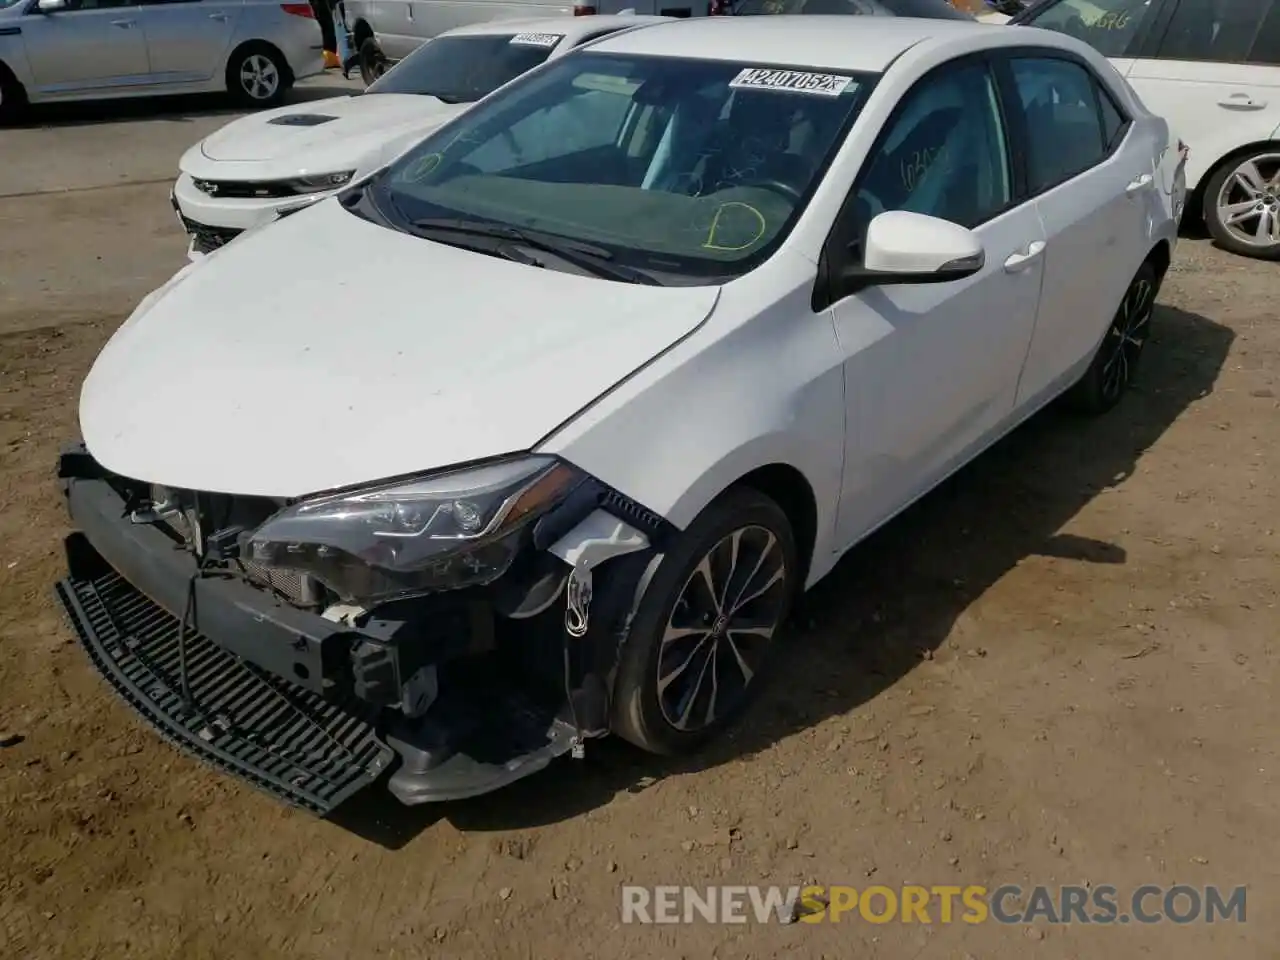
583	10
299	9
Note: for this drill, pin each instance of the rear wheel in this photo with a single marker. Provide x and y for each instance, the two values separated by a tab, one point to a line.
1113	367
701	641
257	76
373	62
1242	204
13	98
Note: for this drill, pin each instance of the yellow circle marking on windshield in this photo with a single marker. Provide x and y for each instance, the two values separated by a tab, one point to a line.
422	168
712	243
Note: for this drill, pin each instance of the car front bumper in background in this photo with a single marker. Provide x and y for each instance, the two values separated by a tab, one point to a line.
212	221
271	685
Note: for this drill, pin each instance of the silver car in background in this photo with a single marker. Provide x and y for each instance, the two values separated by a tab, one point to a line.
58	50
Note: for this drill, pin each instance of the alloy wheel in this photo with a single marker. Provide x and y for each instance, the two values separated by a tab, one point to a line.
259	77
1248	205
1127	337
720	628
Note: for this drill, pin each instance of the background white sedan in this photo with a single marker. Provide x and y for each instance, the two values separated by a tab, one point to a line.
257	166
59	50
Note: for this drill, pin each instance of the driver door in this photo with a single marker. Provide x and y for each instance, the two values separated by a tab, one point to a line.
87	45
931	370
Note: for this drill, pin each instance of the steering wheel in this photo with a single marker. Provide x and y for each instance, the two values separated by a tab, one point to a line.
777	186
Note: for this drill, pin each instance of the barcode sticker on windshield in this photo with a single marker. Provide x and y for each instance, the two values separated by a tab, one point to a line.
537	39
792	81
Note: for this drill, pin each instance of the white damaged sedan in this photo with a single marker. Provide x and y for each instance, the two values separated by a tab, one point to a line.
528	439
258	166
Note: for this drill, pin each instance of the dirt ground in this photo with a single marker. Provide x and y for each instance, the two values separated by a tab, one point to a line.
1059	668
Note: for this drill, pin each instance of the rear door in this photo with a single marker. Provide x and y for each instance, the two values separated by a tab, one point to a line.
1092	174
1214	73
187	40
88	45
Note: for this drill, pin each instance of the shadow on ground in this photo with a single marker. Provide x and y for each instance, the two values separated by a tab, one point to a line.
895	597
172	109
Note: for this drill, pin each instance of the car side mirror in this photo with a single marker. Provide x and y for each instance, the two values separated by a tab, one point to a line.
51	6
904	247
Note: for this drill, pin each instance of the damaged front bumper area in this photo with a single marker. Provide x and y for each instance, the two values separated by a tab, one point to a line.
312	707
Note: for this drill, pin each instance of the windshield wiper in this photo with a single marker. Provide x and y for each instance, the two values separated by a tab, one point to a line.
586	256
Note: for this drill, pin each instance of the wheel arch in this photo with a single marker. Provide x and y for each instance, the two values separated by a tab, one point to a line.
1161	256
1196	197
777	467
9	77
789	489
361	32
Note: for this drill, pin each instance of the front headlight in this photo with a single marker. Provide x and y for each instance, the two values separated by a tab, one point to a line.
441	532
324	181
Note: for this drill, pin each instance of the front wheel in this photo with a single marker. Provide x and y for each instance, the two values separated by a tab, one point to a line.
701	641
257	76
1112	370
1242	205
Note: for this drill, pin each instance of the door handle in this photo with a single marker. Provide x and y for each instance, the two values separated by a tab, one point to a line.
123	24
1138	184
1017	262
1242	101
220	17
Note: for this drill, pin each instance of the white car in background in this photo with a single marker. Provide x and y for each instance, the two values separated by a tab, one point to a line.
251	170
528	437
60	50
1212	68
386	31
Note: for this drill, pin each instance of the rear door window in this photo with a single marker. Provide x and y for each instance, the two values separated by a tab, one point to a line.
1067	132
1218	31
1266	49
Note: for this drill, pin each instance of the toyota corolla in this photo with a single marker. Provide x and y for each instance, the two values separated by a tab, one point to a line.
527	439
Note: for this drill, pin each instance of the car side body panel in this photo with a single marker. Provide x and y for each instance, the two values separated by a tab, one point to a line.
1216	107
752	388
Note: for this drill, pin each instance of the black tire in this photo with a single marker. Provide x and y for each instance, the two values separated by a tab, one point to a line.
649	717
258	76
1112	369
1259	206
373	62
13	98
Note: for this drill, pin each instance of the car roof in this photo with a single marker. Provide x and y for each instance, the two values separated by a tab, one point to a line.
832	42
571	28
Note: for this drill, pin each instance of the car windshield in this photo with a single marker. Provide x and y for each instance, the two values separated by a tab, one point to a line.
1109	26
682	167
465	69
929	9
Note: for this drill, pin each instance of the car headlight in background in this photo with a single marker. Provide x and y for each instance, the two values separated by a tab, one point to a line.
440	532
321	182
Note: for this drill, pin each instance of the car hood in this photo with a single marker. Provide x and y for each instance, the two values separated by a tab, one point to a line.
323	351
325	136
